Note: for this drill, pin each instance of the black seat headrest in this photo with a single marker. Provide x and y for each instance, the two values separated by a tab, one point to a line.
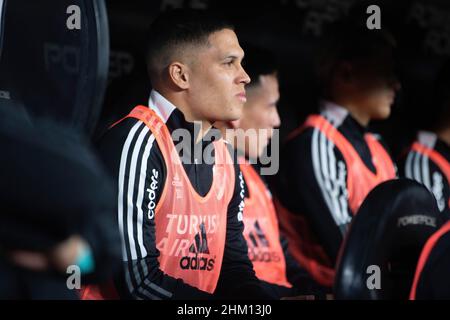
380	252
2	5
50	67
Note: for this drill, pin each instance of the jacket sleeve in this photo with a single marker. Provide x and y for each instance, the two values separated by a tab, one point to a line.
313	182
421	168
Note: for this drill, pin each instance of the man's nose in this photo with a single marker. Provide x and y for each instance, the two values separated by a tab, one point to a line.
276	121
243	77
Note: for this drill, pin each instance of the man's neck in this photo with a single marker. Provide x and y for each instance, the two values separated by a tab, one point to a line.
444	135
204	129
228	132
180	103
359	115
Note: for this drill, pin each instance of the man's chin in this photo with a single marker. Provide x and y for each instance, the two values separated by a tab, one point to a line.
383	113
233	115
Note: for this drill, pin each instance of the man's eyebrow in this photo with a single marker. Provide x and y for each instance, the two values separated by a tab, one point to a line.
234	56
231	56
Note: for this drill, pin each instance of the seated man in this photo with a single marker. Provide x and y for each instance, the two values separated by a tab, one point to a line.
249	136
180	202
428	160
332	161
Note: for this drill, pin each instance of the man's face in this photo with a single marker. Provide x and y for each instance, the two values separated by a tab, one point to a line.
376	86
217	80
260	115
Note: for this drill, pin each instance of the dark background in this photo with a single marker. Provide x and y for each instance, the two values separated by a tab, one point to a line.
63	73
290	29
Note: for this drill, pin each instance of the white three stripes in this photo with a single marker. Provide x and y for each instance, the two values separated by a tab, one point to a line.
123	162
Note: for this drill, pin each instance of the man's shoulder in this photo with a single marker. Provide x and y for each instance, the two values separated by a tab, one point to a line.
301	140
119	131
308	148
306	131
127	137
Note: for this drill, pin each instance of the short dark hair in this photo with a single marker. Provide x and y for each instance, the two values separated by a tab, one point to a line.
258	62
441	101
176	29
348	41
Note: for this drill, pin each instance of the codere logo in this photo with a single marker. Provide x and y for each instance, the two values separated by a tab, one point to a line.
199	246
259	247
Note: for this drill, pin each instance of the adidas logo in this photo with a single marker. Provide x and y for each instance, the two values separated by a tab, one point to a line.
201	243
199	246
259	248
258	234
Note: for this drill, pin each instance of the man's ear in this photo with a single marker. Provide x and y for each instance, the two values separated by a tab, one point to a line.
179	75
